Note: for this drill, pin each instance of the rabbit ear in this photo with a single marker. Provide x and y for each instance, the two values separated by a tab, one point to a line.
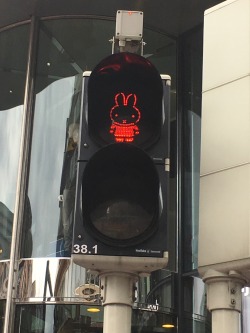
120	99
131	100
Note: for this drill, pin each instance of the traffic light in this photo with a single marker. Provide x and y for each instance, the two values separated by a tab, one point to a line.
122	175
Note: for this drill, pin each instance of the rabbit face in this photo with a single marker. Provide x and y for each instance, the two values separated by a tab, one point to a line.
125	111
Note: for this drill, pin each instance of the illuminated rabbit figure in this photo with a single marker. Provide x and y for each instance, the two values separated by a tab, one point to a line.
124	115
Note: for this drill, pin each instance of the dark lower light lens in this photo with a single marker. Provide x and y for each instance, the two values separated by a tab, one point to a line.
121	219
120	190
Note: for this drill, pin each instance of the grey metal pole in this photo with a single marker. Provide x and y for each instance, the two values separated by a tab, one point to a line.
118	295
22	175
224	300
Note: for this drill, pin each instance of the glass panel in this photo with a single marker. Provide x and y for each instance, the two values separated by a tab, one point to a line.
2	314
4	275
12	84
52	170
58	319
158	289
192	74
161	51
79	318
152	321
66	48
197	317
196	325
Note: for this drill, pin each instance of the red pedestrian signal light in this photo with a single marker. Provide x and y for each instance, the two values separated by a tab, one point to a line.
125	101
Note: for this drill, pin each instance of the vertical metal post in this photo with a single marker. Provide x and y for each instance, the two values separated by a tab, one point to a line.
117	292
179	229
25	146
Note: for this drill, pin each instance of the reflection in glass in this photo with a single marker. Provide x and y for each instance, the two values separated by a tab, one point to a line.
6	219
13	66
52	172
4	275
67	190
192	77
191	182
57	318
197	317
67	318
12	83
161	289
2	314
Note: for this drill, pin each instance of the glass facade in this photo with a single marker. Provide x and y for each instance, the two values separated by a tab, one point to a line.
51	293
191	62
78	318
12	83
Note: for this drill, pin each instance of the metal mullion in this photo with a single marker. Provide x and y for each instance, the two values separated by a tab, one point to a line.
22	177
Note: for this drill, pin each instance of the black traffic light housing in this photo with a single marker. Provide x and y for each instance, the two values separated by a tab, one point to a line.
122	177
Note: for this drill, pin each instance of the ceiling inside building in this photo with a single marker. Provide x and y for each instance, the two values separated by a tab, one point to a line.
172	16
